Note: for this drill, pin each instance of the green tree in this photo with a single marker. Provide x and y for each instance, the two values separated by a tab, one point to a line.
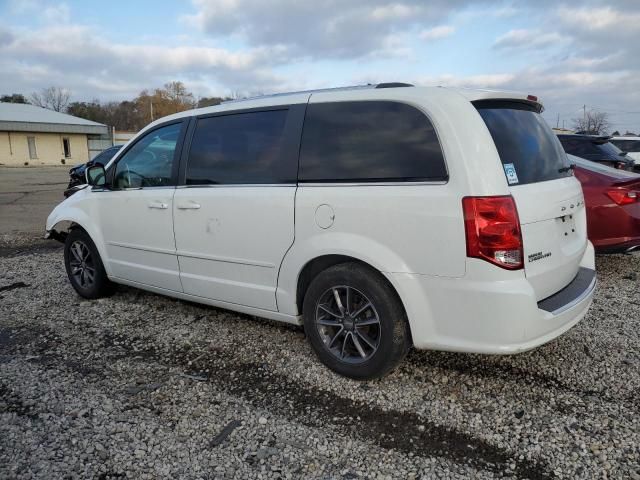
209	101
14	98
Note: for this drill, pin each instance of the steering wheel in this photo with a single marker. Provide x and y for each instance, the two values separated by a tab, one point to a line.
143	179
126	176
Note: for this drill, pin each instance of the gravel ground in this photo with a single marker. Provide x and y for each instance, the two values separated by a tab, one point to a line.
142	386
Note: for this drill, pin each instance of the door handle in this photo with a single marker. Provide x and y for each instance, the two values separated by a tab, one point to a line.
158	205
188	206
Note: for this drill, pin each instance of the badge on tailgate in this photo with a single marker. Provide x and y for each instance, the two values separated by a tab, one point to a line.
538	256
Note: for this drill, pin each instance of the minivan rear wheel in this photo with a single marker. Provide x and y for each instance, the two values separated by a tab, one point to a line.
355	322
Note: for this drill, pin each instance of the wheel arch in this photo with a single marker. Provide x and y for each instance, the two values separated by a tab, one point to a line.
316	265
62	221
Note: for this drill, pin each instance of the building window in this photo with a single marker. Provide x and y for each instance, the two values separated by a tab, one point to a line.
33	153
67	147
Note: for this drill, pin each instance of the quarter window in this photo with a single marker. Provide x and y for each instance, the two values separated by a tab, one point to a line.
241	148
369	141
149	163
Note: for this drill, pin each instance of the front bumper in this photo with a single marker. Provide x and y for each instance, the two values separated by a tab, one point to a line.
498	315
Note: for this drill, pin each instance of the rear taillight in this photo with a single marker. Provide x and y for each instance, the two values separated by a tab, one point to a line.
493	231
622	196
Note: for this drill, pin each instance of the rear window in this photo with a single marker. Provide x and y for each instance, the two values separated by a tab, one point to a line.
588	147
529	150
627	145
579	146
369	141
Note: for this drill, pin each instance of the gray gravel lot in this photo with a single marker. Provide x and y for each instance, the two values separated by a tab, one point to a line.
142	386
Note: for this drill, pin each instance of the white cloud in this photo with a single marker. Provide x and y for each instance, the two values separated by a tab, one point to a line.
55	14
529	39
497	81
51	55
600	19
392	11
321	29
568	53
435	33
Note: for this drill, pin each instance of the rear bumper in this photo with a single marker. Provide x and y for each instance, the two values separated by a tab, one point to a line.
498	315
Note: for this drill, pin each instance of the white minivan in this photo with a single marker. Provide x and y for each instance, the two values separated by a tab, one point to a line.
379	217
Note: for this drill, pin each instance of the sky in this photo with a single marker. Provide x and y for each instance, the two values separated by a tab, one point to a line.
569	54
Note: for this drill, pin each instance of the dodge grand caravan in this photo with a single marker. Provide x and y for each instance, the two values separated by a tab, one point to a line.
378	218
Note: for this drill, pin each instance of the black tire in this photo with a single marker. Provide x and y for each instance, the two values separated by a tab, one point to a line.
390	335
87	276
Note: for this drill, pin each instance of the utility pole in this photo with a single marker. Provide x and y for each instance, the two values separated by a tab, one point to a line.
558	122
584	118
151	109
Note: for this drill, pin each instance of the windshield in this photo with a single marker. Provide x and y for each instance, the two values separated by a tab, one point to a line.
529	150
106	155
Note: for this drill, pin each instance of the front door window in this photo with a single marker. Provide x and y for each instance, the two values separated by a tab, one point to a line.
149	163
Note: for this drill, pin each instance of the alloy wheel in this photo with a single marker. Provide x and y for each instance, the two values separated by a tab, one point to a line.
348	324
82	266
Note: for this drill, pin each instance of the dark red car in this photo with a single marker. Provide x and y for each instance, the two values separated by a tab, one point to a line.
612	198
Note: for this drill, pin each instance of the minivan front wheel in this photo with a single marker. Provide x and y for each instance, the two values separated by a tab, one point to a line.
84	266
355	321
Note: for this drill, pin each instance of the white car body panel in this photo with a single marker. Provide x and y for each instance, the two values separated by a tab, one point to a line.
231	246
245	247
139	251
553	230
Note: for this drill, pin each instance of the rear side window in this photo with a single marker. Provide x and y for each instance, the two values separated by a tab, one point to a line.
369	141
241	148
528	148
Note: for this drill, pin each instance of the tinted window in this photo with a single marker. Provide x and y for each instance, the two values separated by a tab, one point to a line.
627	145
149	163
239	148
609	148
579	146
106	155
369	141
589	148
529	150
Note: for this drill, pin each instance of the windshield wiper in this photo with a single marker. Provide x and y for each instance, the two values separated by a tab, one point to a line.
566	169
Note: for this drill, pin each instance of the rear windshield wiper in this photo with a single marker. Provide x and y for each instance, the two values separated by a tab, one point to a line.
566	169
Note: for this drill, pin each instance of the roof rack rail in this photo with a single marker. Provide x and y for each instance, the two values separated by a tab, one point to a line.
394	85
321	90
318	90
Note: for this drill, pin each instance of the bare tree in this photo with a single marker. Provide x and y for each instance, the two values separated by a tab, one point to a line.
53	98
592	123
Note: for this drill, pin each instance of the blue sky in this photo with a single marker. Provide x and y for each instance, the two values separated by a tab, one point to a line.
568	53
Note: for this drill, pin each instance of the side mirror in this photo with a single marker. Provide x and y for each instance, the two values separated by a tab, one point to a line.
96	176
